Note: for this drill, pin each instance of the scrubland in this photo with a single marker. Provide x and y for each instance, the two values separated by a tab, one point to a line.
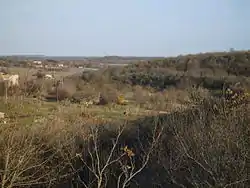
178	128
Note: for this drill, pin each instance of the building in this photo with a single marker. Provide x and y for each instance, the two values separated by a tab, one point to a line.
37	62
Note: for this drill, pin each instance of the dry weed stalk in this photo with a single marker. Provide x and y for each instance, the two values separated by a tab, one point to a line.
100	166
28	159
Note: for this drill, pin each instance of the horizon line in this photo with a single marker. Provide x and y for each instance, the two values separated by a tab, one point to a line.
183	54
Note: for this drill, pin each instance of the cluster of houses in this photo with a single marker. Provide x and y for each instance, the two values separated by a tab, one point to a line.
77	64
48	66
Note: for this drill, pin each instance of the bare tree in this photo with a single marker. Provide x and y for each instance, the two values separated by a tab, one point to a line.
25	163
100	165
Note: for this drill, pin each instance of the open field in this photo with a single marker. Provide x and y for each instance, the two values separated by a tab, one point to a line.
174	122
28	72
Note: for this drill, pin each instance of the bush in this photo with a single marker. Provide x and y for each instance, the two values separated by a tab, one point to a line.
39	74
236	96
32	87
5	70
108	95
200	147
198	95
60	94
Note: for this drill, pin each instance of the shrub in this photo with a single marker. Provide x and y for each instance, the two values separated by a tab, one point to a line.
32	87
197	95
60	94
140	95
5	70
236	96
39	74
107	95
200	147
121	100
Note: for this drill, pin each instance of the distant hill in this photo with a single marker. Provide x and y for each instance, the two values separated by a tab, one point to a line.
24	57
208	70
79	58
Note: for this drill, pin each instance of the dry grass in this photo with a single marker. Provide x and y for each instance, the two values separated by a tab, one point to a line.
28	72
204	147
198	141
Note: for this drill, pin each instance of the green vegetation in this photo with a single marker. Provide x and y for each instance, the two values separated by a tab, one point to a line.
210	71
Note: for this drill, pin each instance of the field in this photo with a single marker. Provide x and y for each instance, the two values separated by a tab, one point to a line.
26	72
161	123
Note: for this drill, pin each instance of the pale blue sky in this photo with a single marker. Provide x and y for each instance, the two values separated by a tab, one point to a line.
123	27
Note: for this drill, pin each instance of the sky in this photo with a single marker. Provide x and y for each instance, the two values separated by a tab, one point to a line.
123	28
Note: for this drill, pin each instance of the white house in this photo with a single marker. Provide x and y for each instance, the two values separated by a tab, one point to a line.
49	76
37	62
12	80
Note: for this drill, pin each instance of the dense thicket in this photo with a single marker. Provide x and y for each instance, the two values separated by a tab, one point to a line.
207	70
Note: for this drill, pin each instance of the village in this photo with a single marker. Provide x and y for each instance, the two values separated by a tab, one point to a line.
51	68
62	104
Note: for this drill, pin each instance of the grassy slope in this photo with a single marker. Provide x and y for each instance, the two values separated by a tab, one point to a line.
203	148
27	111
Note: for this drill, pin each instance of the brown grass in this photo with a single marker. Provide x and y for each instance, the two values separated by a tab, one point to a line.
198	140
212	142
